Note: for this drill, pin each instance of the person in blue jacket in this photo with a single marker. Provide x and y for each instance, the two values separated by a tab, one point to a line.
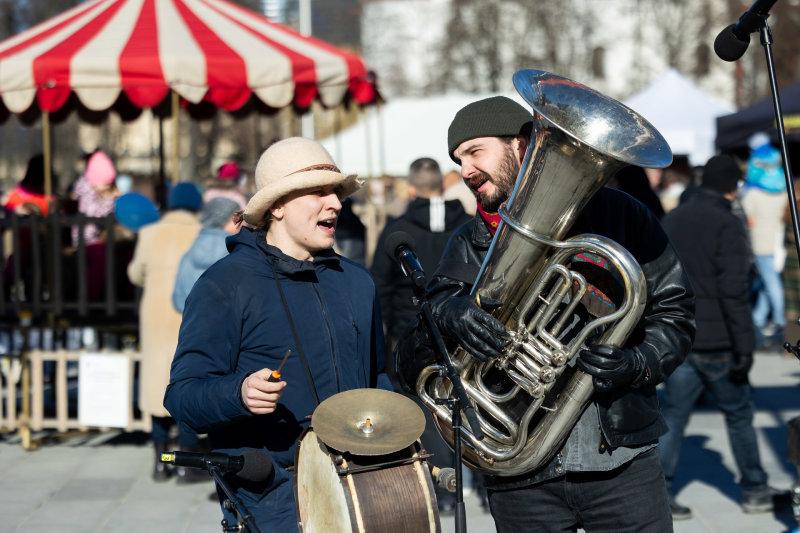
282	287
216	216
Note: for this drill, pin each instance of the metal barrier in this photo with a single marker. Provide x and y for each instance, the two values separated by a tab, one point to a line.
53	291
53	389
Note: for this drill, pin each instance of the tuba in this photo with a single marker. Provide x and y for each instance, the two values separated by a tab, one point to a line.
529	398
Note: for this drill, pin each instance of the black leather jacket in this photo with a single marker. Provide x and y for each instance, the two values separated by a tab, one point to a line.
628	416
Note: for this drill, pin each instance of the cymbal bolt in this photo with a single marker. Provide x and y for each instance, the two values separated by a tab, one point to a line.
366	427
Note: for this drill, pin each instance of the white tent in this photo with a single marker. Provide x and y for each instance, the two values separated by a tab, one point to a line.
684	114
389	138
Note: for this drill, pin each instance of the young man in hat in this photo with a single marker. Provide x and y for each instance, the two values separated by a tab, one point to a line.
282	287
606	476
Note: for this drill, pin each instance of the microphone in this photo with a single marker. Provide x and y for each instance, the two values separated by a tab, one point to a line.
445	478
399	245
253	465
732	42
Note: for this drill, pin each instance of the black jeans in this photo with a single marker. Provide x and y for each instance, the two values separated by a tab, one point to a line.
632	498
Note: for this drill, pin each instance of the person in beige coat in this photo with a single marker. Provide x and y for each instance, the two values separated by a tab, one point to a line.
154	266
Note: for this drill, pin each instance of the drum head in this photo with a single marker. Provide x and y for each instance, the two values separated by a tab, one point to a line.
368	421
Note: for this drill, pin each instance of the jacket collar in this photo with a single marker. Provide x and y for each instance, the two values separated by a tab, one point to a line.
289	265
481	236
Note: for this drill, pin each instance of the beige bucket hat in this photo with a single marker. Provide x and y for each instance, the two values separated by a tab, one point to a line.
290	165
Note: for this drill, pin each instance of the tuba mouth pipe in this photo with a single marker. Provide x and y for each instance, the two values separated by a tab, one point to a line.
530	397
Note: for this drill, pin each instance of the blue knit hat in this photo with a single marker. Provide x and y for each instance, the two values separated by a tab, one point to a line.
134	210
186	196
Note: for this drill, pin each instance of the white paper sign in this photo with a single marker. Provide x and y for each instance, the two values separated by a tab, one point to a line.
104	395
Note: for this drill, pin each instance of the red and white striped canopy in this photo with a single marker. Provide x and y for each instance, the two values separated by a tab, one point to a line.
209	50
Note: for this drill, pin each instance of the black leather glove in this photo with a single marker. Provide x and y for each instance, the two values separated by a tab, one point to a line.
742	363
612	367
478	332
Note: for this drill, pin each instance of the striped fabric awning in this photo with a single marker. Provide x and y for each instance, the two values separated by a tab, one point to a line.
204	50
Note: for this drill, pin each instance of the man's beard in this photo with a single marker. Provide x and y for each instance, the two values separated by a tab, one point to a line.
503	179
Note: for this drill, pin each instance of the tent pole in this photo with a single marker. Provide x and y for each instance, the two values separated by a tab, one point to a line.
48	177
371	236
161	189
175	102
381	139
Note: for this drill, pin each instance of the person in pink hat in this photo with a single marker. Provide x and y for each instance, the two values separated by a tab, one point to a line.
96	194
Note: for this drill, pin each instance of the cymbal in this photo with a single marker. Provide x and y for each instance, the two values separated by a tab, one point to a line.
368	421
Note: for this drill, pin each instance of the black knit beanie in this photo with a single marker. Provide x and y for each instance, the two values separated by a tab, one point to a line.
721	174
497	116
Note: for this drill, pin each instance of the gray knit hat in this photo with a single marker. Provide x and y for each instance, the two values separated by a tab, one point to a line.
497	116
217	212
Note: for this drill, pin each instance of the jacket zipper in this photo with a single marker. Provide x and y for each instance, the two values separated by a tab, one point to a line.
330	337
363	366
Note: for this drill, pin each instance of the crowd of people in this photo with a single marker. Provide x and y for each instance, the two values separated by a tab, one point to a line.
233	280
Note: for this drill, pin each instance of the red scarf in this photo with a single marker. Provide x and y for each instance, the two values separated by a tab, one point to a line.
492	220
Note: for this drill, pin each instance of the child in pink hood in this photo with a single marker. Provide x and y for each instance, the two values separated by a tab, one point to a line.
96	193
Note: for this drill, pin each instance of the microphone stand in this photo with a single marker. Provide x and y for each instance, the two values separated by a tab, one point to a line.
454	404
766	42
244	520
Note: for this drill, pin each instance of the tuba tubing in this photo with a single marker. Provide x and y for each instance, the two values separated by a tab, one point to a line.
580	139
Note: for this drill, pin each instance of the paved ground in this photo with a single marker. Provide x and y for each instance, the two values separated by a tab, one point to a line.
101	482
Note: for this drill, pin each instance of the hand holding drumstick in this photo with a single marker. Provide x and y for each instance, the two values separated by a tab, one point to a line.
261	390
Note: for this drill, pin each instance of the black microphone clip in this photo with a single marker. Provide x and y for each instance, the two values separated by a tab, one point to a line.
399	245
732	42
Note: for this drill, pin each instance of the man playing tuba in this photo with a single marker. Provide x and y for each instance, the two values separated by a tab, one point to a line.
606	476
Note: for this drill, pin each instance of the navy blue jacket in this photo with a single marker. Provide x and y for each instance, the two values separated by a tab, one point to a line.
234	324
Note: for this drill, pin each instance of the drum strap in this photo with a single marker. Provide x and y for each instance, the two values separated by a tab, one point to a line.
300	351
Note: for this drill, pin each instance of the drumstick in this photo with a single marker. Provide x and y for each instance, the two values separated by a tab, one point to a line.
276	374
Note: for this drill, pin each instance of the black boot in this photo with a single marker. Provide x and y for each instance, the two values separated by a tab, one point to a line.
679	512
161	471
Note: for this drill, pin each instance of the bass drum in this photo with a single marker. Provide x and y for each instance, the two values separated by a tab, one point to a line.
346	493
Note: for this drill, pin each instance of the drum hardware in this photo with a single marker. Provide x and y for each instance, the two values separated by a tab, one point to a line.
347	469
